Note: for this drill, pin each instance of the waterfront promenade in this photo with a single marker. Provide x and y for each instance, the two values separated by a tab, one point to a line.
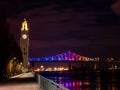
25	81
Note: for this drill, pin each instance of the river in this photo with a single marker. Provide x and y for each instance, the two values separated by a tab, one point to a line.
86	80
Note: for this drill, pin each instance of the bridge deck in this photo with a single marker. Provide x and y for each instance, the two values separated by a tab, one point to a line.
25	81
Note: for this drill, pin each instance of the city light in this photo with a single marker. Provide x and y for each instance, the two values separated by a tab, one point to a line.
50	69
67	56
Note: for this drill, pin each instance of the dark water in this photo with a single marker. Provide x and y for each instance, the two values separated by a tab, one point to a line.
86	80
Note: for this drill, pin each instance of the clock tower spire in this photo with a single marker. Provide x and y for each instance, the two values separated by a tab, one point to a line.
24	44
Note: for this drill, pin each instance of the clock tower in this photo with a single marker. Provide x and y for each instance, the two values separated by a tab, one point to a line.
24	44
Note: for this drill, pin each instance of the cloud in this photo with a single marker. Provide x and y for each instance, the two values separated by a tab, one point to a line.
37	44
15	26
45	48
116	7
49	24
82	26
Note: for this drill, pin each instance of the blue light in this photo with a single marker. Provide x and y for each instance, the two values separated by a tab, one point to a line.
67	56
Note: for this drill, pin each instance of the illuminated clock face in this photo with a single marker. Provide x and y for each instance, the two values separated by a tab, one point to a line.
24	36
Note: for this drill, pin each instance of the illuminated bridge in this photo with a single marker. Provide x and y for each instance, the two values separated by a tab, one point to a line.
70	60
66	56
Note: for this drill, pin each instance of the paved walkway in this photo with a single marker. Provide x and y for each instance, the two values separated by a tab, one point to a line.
25	81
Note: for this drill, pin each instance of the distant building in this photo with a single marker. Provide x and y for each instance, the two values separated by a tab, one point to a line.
24	43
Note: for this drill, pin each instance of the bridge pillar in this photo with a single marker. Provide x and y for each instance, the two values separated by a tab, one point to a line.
70	67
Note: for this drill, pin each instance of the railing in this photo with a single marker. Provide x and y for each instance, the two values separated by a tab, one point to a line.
47	84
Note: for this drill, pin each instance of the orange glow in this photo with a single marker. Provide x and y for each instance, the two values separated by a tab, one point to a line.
24	25
51	69
36	70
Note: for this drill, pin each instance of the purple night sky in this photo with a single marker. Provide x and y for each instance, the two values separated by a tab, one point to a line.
87	27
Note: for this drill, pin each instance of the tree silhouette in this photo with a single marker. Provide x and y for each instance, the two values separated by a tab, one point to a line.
8	46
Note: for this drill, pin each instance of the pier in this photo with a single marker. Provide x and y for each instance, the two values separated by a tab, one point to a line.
24	81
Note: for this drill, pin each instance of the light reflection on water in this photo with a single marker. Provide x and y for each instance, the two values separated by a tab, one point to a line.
89	81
